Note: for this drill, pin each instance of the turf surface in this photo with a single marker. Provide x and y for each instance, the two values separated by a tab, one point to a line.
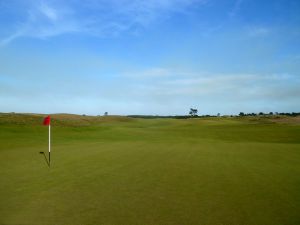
118	170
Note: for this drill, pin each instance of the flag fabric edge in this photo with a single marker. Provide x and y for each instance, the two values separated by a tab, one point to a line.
47	121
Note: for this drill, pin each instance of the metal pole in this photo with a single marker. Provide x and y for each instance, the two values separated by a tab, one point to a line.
49	143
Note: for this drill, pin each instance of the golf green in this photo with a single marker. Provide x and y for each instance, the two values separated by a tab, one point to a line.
120	170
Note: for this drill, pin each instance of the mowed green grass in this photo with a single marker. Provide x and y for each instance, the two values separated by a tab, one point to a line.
117	170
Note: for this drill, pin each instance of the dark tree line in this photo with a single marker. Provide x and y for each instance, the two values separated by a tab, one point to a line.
269	114
193	113
189	116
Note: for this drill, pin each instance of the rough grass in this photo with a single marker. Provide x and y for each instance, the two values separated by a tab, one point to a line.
118	170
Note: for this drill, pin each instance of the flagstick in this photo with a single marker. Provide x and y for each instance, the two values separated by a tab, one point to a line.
49	143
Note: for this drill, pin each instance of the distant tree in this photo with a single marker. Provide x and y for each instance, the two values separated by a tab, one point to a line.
242	114
193	112
106	113
83	115
261	113
218	114
270	113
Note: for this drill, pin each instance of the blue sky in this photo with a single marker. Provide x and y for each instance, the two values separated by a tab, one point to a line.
149	56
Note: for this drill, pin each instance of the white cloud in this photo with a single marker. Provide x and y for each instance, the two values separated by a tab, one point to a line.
159	90
12	37
232	87
43	21
155	72
49	12
258	31
99	18
236	7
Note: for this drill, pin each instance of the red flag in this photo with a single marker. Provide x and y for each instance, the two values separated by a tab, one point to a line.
47	121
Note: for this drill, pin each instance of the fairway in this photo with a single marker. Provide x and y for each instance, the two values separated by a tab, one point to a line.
121	170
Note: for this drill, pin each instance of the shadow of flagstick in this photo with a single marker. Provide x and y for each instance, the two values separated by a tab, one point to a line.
45	157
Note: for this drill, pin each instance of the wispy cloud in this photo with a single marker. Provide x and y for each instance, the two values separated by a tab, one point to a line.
222	87
155	72
249	86
10	38
156	90
49	12
45	19
258	31
236	7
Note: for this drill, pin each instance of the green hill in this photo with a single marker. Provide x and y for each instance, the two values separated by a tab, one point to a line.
120	170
